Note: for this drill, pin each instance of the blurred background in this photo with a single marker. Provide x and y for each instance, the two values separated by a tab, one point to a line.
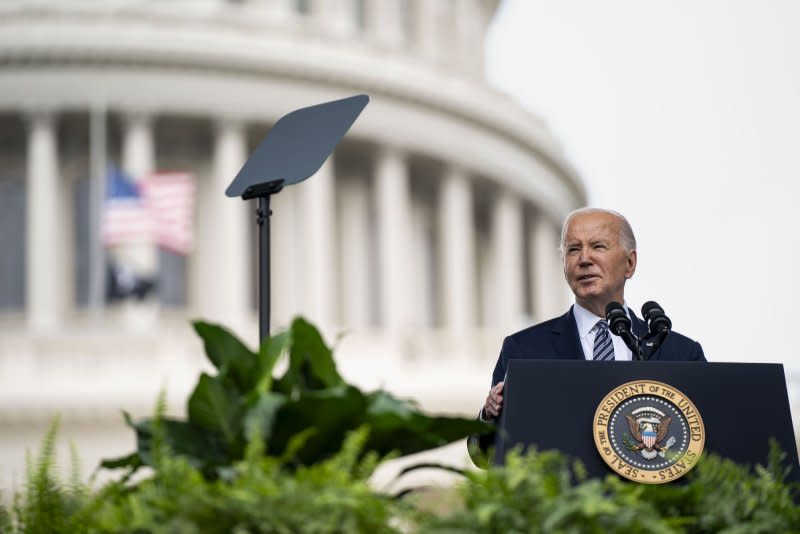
431	232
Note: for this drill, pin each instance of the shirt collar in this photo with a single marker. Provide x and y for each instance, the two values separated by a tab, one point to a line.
586	320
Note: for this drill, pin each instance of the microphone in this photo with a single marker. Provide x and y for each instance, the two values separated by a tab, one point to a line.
620	324
657	320
658	324
618	320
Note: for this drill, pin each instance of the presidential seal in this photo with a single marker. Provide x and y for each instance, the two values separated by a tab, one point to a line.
648	432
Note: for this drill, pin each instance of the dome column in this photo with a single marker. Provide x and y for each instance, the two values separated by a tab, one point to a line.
354	257
506	306
393	207
225	262
384	21
140	257
46	283
316	246
457	251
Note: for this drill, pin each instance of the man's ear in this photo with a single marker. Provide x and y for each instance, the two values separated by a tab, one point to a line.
631	266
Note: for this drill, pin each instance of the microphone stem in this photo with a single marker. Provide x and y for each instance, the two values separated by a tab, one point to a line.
632	343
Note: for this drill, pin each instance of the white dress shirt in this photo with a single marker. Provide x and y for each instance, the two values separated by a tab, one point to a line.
586	322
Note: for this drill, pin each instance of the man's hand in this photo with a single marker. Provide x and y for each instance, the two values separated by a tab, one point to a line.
494	402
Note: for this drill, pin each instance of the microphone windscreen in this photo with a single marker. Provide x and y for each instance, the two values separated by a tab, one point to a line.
651	309
614	307
654	316
617	317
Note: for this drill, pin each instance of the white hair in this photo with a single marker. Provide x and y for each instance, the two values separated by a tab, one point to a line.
626	237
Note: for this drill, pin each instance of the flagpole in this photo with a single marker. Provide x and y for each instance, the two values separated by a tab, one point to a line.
97	193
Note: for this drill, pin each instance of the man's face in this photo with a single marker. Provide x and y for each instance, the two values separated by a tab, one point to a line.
595	263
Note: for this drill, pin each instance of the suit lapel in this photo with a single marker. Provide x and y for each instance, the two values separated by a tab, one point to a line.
638	326
566	341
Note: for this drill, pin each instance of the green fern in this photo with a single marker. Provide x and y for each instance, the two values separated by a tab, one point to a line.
46	505
538	488
76	485
160	448
43	510
5	518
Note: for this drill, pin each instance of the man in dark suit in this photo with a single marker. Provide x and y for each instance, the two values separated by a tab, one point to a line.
599	252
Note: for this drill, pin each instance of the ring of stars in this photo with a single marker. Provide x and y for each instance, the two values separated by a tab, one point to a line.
665	406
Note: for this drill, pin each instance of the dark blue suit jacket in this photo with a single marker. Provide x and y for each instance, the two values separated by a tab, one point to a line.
558	339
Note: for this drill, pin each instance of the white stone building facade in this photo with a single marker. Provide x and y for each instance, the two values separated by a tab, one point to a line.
430	233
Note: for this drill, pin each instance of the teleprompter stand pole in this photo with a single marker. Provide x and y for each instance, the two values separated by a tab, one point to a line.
262	216
263	212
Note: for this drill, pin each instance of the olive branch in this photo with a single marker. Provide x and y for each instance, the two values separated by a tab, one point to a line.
628	441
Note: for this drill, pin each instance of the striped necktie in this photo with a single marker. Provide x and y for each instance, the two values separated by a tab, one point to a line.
603	347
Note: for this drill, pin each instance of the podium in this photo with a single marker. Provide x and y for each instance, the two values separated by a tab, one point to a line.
581	407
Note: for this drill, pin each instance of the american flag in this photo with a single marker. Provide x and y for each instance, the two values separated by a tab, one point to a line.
158	208
126	219
170	199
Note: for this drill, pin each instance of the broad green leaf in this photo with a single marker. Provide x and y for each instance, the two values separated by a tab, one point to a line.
130	460
268	355
228	354
203	448
330	412
128	419
311	364
426	433
432	465
259	419
397	425
215	407
310	406
381	402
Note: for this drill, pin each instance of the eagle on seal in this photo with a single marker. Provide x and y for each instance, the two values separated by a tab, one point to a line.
648	434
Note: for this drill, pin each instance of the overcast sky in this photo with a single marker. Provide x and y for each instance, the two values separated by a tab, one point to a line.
685	116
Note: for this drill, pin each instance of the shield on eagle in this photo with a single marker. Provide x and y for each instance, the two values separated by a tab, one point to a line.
649	438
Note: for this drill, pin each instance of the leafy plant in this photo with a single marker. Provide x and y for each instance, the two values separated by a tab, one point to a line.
309	406
259	454
257	495
722	496
541	491
537	492
5	519
46	505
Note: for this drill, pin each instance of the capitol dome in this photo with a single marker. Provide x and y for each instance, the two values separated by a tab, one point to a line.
430	233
